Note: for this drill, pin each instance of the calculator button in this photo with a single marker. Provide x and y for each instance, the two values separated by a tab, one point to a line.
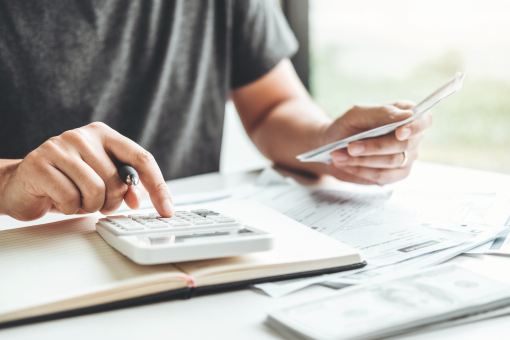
107	223
169	219
187	218
200	222
131	226
205	213
118	218
130	223
221	219
138	216
180	223
156	225
151	220
225	220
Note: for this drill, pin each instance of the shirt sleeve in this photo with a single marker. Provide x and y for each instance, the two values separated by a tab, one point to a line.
261	38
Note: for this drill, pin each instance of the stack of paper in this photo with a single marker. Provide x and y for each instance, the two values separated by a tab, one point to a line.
406	232
428	299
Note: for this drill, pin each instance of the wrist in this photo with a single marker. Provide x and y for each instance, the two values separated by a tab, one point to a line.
7	169
325	134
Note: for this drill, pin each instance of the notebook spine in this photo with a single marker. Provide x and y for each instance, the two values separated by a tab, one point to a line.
190	279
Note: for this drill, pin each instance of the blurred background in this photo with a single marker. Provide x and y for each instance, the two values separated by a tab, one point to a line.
374	51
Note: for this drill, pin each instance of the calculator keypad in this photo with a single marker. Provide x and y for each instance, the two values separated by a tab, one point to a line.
182	221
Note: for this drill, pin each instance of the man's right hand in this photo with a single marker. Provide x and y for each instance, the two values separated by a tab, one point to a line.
75	173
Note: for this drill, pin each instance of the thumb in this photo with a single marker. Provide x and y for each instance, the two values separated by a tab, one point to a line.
373	116
403	104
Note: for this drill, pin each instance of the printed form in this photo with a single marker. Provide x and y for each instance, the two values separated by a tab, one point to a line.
393	237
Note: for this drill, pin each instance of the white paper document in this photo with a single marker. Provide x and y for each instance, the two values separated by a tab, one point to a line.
323	154
325	211
394	306
387	238
461	208
282	288
394	239
482	208
395	262
501	245
481	235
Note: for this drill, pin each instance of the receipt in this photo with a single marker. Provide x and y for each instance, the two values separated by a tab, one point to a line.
323	154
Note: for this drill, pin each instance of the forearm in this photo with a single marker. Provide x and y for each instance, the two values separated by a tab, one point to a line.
7	166
283	121
292	127
281	118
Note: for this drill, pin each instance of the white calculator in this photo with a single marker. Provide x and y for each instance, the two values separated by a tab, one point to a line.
188	235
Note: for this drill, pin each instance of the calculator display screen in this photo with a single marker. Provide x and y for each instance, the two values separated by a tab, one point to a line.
176	238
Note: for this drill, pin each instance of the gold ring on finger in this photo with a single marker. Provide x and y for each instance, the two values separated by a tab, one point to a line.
404	161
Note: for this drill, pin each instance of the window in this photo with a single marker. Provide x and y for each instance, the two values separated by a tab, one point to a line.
372	51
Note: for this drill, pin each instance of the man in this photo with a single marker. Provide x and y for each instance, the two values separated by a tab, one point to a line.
157	75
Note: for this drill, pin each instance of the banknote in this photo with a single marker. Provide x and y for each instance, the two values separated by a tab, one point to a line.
323	154
394	306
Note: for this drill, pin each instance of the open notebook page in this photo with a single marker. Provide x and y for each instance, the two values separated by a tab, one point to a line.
56	265
297	248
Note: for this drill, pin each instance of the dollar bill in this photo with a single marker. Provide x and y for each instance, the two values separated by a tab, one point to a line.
323	154
441	295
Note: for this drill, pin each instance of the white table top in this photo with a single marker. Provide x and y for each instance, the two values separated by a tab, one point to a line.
240	314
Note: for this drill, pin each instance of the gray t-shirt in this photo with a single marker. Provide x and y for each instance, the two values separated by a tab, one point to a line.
159	72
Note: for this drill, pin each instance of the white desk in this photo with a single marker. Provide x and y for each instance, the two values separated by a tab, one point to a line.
240	314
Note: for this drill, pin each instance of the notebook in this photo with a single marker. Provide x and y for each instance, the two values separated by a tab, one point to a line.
65	268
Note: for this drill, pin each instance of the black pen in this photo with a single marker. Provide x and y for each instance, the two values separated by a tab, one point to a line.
129	175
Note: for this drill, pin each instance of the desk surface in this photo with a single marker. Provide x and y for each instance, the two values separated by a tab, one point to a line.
240	314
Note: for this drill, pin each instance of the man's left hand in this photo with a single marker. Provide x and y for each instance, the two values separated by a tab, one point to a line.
377	160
